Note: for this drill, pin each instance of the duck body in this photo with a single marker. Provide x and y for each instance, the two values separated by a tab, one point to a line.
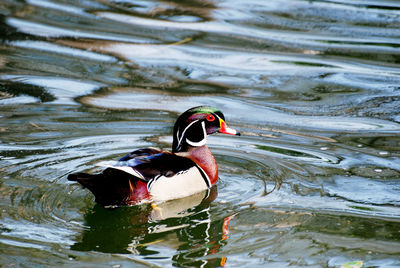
154	175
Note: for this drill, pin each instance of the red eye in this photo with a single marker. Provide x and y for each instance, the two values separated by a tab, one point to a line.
210	117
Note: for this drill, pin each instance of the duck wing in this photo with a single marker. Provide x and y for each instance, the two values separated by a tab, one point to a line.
147	164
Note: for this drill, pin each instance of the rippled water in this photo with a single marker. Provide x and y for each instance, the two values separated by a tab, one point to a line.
313	86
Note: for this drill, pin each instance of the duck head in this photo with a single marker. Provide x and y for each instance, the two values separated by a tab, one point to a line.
193	126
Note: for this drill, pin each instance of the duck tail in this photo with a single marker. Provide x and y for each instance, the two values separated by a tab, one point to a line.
109	188
81	177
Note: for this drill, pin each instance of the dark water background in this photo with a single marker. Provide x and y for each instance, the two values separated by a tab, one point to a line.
314	87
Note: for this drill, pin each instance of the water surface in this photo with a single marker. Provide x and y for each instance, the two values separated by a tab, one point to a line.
313	86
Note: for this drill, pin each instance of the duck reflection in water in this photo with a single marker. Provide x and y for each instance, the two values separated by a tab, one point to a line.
181	225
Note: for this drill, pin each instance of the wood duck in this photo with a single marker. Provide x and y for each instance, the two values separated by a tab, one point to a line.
153	175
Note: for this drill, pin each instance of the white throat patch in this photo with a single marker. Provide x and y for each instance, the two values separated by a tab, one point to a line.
203	141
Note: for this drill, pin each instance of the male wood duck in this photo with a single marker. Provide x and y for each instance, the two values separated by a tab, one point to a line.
153	175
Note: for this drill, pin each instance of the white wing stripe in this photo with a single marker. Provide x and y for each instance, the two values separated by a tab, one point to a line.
129	170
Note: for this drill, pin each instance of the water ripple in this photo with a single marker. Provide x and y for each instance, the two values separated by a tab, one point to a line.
312	85
139	99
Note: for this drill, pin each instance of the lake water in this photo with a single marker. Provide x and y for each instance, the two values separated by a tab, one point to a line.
313	86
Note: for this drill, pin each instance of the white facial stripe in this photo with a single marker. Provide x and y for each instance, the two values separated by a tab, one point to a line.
219	117
203	141
177	137
183	133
